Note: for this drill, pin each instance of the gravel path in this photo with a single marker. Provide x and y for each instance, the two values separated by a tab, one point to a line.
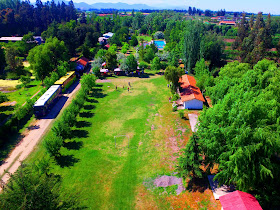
165	181
34	134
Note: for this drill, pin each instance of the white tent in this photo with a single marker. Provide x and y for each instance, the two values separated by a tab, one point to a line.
104	70
117	69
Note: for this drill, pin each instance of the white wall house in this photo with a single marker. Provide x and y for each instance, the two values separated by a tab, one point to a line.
193	104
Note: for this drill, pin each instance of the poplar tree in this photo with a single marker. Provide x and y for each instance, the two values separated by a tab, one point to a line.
191	44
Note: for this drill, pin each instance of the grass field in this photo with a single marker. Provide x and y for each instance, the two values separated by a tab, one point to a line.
109	177
9	84
19	97
145	38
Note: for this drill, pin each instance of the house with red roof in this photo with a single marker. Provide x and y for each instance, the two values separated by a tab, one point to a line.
191	95
239	200
227	22
83	61
82	64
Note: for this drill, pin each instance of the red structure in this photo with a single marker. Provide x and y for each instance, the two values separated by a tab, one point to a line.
83	61
239	200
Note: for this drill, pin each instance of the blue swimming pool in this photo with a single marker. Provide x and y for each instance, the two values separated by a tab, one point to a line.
160	44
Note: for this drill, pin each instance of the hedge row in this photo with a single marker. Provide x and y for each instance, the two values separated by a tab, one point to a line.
62	128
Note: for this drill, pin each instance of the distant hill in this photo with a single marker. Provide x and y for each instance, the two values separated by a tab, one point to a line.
85	6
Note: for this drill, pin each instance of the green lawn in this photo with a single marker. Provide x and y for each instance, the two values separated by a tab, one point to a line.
19	97
146	38
112	178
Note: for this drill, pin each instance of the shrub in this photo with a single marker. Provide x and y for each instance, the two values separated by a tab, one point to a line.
69	117
159	35
143	65
35	187
3	97
175	97
61	129
19	86
174	107
96	71
163	65
25	80
156	64
53	145
181	114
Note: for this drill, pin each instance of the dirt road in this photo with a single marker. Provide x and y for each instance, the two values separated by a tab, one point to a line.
34	134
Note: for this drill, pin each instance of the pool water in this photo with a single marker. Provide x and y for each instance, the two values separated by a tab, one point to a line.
160	44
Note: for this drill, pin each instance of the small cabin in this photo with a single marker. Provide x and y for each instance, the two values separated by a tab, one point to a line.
191	95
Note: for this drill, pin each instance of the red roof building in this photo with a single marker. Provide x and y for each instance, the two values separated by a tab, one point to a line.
239	200
189	89
191	95
83	61
227	22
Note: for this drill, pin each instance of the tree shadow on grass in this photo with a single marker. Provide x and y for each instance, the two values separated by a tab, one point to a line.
30	86
6	108
86	114
89	107
83	124
91	100
97	93
98	85
73	145
198	184
66	160
79	134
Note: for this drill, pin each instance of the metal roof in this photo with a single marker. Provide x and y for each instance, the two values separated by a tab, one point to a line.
45	97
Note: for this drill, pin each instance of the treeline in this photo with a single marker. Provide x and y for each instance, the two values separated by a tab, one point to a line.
34	186
240	135
20	17
254	38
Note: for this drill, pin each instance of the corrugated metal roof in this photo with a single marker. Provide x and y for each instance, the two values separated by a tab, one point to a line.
45	97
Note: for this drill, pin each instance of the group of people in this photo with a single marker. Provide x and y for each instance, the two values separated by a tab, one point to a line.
129	86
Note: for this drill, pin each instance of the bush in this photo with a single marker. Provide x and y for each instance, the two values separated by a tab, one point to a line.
175	97
19	86
25	80
143	65
174	107
69	117
159	35
53	145
96	71
156	64
3	97
35	187
12	75
61	129
163	65
181	114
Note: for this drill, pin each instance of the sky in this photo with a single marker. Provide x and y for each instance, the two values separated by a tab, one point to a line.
266	6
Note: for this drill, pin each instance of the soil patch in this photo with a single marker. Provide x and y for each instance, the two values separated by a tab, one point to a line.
8	103
102	80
